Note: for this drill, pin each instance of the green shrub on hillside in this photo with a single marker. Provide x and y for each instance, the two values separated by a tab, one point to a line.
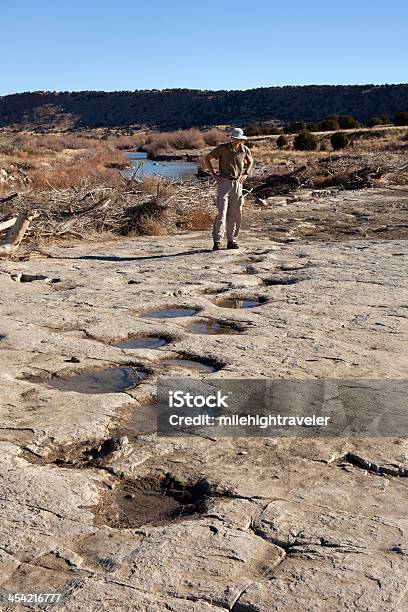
305	141
378	120
261	129
347	122
282	142
401	119
339	140
329	125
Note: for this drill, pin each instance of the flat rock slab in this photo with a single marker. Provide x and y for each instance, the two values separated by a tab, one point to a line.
262	524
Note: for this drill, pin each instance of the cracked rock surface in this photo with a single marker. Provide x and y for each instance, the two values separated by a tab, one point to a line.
96	506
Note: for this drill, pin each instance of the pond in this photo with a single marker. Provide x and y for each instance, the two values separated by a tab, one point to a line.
110	380
174	169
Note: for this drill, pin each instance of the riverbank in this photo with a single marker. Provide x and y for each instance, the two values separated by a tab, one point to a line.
80	192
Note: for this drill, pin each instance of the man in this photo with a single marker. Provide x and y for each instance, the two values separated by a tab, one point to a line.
235	163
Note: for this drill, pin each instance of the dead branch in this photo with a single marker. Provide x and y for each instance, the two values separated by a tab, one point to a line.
16	233
8	198
101	204
7	224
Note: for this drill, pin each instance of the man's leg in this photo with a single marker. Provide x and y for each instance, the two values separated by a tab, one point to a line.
234	212
222	206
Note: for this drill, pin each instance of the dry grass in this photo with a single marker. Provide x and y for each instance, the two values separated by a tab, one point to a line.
127	143
214	136
149	185
156	186
75	174
109	157
25	145
159	143
37	144
41	162
197	220
187	139
148	226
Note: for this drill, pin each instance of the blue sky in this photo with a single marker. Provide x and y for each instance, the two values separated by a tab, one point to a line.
131	44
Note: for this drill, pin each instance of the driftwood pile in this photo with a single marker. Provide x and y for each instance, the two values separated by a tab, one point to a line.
345	172
84	214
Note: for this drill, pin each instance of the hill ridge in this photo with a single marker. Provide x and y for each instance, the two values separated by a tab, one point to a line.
183	108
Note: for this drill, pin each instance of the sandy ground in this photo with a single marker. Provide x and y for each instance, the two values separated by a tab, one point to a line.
96	506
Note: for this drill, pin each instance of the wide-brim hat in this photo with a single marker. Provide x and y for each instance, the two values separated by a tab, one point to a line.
238	134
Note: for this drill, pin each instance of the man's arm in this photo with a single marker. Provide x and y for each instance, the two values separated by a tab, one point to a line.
208	163
248	162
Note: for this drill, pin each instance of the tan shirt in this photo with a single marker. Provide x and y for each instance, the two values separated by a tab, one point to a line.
232	163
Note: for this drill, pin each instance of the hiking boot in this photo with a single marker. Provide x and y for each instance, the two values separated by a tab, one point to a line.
232	245
217	246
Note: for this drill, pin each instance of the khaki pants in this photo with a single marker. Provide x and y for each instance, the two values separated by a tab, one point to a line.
229	205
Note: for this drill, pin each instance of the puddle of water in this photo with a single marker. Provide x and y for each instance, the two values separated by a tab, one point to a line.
173	169
212	328
170	313
189	364
237	303
111	380
141	342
